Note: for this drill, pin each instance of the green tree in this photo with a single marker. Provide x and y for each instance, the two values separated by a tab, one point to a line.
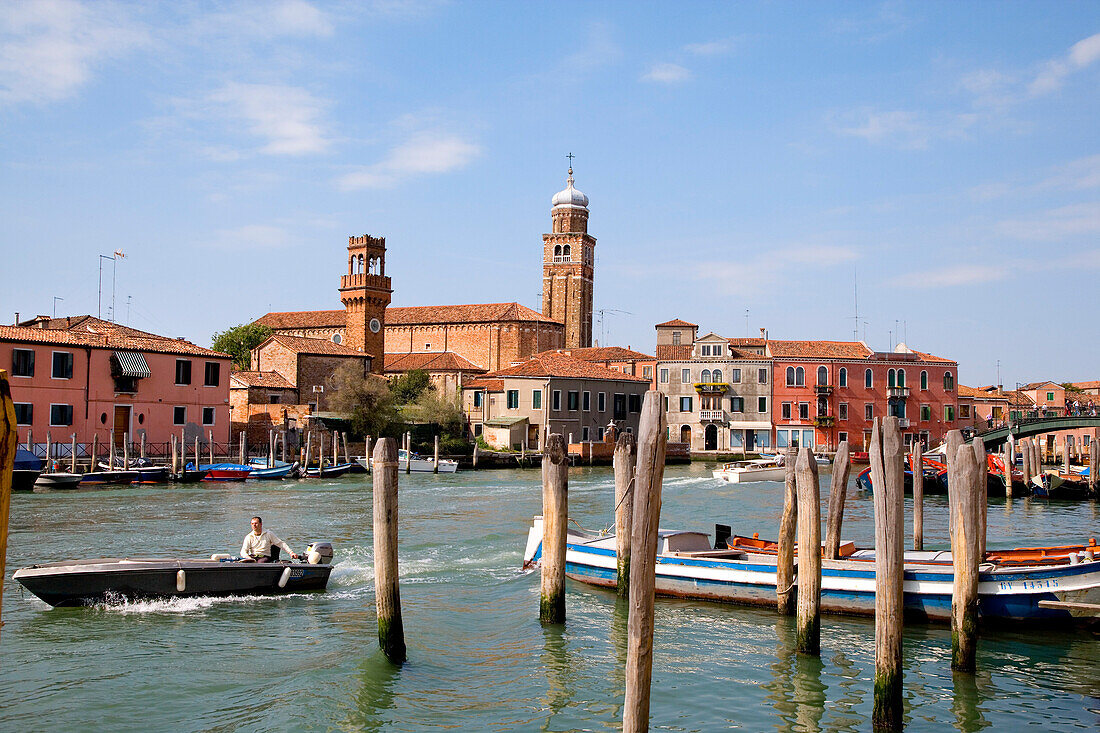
365	399
239	341
408	387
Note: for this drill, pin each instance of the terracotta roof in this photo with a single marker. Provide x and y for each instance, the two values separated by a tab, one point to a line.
818	349
677	322
474	313
157	345
552	364
490	385
88	324
602	353
673	352
748	342
302	345
1037	385
931	357
303	319
985	393
1086	385
271	380
441	361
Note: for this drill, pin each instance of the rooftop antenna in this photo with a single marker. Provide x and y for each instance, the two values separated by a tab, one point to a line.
747	334
128	299
55	299
999	382
855	294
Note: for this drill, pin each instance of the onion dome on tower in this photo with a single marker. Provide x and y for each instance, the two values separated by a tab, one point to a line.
570	197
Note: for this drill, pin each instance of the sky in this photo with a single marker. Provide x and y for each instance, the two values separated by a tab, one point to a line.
932	167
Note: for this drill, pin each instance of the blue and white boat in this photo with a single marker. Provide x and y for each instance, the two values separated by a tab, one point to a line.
689	567
279	470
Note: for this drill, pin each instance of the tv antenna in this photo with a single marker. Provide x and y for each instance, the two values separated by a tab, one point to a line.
601	313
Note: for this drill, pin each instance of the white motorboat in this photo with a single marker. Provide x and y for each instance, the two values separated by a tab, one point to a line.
58	481
420	464
758	469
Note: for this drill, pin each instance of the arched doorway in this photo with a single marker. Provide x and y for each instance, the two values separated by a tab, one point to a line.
685	434
710	437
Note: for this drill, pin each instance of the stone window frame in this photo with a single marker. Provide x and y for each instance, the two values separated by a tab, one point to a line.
573	400
785	411
685	375
762	405
664	375
54	423
685	403
555	400
803	411
586	401
512	399
536	399
28	364
213	412
175	413
20	419
842	411
842	378
601	402
54	365
179	376
869	411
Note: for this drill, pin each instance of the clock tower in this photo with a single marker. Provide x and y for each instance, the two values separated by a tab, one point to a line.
365	292
568	261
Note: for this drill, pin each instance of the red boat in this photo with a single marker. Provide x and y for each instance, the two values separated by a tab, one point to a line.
226	472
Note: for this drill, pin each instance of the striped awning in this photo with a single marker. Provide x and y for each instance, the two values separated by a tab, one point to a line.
132	364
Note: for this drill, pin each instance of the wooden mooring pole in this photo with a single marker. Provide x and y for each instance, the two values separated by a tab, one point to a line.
983	490
555	515
1009	459
175	455
435	455
95	449
625	457
408	451
387	595
9	443
1094	460
964	497
808	620
72	455
366	451
887	456
838	491
916	462
784	568
648	475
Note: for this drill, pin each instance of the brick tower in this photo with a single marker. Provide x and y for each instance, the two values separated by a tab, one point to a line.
365	292
568	254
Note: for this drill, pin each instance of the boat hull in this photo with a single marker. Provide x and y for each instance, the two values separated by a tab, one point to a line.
58	481
96	581
108	477
24	479
847	587
748	475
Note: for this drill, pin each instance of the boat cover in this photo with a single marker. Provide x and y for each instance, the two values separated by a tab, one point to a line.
27	461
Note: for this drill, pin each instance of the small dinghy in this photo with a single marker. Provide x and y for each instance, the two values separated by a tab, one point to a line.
86	582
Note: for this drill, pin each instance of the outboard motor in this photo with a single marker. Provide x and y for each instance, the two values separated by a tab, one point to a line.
319	553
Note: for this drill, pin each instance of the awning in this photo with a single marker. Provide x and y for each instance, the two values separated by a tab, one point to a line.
132	364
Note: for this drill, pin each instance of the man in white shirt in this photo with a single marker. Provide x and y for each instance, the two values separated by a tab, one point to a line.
258	543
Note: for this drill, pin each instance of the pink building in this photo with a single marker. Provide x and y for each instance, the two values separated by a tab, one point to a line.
88	377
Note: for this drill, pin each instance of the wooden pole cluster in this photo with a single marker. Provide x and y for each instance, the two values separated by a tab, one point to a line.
626	455
9	443
887	456
808	620
555	515
838	491
649	472
387	595
965	497
784	562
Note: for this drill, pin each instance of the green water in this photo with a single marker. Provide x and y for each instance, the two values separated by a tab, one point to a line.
478	658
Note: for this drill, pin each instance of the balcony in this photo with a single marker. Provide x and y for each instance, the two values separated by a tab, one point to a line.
903	422
824	421
711	387
897	391
823	389
712	415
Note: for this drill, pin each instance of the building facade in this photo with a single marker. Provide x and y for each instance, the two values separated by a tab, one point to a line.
103	381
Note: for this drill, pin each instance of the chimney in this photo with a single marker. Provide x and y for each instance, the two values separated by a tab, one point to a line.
17	318
763	333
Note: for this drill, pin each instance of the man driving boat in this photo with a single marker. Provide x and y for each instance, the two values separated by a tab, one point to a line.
258	543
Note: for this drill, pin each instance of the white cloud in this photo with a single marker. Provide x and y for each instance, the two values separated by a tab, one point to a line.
1076	175
906	129
1081	55
426	152
252	236
49	49
709	48
1056	225
766	272
952	276
598	49
264	20
288	118
667	74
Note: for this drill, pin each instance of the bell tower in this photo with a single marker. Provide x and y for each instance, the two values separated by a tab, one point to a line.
365	292
568	256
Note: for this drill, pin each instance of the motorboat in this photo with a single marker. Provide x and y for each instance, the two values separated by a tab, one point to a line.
146	472
86	582
1070	487
108	476
189	475
58	481
28	467
756	469
415	463
333	471
278	469
225	471
688	567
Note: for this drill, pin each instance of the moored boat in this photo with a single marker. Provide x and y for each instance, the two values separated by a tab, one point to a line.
415	463
57	481
226	472
28	467
281	470
759	469
688	567
335	471
84	582
108	477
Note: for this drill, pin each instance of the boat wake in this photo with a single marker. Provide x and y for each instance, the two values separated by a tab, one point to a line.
179	606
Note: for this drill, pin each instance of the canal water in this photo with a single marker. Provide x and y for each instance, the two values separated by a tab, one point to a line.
478	658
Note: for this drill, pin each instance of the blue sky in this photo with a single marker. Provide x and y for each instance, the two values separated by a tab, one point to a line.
738	156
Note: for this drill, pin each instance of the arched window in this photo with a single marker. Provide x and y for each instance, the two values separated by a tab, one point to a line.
360	264
717	376
901	377
948	381
790	376
565	251
924	380
557	250
705	376
799	377
843	377
891	378
868	382
822	375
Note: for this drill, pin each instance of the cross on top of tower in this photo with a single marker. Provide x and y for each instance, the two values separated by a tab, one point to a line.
570	156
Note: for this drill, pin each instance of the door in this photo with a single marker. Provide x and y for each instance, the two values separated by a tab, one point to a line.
122	424
710	438
685	434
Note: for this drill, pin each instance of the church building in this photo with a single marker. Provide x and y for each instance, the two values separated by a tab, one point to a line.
474	338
